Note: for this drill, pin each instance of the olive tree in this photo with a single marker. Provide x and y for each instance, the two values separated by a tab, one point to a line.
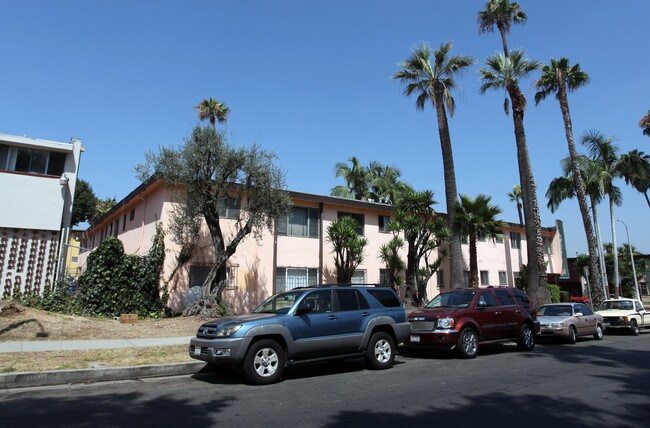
212	179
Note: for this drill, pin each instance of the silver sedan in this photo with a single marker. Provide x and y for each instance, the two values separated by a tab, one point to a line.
568	321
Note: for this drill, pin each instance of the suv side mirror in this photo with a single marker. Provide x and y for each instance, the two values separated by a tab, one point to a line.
305	307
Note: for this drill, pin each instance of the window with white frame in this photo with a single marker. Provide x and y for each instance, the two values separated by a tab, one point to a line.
32	161
288	278
359	277
503	279
199	272
515	240
230	208
466	278
300	221
485	277
383	277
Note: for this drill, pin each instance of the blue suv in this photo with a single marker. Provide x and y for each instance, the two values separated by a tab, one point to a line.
306	324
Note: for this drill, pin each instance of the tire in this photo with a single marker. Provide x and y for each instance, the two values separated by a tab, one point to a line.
572	335
634	328
467	345
264	362
598	335
526	340
380	352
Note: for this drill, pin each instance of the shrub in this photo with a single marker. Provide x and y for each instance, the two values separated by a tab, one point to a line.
554	289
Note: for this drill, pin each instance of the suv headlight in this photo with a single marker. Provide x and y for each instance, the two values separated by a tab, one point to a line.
228	329
445	323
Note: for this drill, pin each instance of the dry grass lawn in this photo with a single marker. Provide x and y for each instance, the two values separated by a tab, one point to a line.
36	325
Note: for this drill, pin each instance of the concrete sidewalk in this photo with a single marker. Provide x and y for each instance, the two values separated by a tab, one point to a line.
83	345
102	374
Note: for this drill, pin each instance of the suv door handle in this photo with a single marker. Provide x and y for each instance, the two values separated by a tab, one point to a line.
332	317
497	313
518	311
365	314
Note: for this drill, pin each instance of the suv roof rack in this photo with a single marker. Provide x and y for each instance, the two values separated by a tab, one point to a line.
349	285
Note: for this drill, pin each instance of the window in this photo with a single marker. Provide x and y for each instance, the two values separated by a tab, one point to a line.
124	223
440	276
585	310
358	217
521	298
321	301
485	277
466	279
504	297
386	297
4	157
486	299
132	215
117	227
74	259
503	280
351	300
288	278
359	277
56	163
32	161
383	277
515	240
230	208
547	246
300	222
384	220
198	274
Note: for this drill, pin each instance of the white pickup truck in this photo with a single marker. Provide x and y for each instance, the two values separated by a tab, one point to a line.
624	314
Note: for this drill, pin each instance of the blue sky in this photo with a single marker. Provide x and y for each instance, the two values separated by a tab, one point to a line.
310	81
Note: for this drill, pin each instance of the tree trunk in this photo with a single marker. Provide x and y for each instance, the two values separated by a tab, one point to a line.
594	273
601	252
502	31
537	286
410	293
521	218
451	194
617	279
473	262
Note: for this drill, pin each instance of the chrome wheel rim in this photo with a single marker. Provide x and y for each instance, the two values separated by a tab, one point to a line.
383	351
529	340
469	343
266	362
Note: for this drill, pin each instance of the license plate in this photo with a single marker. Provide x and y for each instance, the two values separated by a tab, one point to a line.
197	350
415	338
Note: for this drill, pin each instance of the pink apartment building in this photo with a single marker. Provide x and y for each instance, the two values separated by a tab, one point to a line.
297	252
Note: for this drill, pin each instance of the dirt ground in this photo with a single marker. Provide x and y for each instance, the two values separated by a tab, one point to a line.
34	324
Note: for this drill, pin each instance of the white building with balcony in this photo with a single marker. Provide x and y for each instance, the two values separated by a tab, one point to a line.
37	185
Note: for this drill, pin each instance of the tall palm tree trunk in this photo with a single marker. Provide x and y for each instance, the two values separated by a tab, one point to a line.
451	193
502	31
601	253
473	262
537	286
617	279
579	185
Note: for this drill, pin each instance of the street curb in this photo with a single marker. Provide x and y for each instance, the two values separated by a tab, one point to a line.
62	377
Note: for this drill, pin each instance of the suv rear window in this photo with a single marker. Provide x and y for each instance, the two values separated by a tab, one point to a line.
505	298
521	298
386	298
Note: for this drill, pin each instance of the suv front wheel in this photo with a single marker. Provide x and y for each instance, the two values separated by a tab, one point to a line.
467	345
380	352
526	341
264	362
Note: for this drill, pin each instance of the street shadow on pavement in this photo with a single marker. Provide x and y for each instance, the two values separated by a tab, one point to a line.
229	376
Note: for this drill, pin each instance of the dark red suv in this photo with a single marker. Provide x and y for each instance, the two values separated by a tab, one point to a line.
461	319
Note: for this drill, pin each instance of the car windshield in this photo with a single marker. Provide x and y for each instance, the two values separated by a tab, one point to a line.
555	311
278	304
454	299
625	305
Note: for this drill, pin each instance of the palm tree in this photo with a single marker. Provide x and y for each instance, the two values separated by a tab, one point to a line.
477	219
503	73
644	123
563	188
434	82
559	78
515	196
635	168
356	180
385	184
603	152
212	110
347	247
500	14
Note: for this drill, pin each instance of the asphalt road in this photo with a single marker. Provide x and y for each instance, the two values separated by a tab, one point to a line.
592	383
